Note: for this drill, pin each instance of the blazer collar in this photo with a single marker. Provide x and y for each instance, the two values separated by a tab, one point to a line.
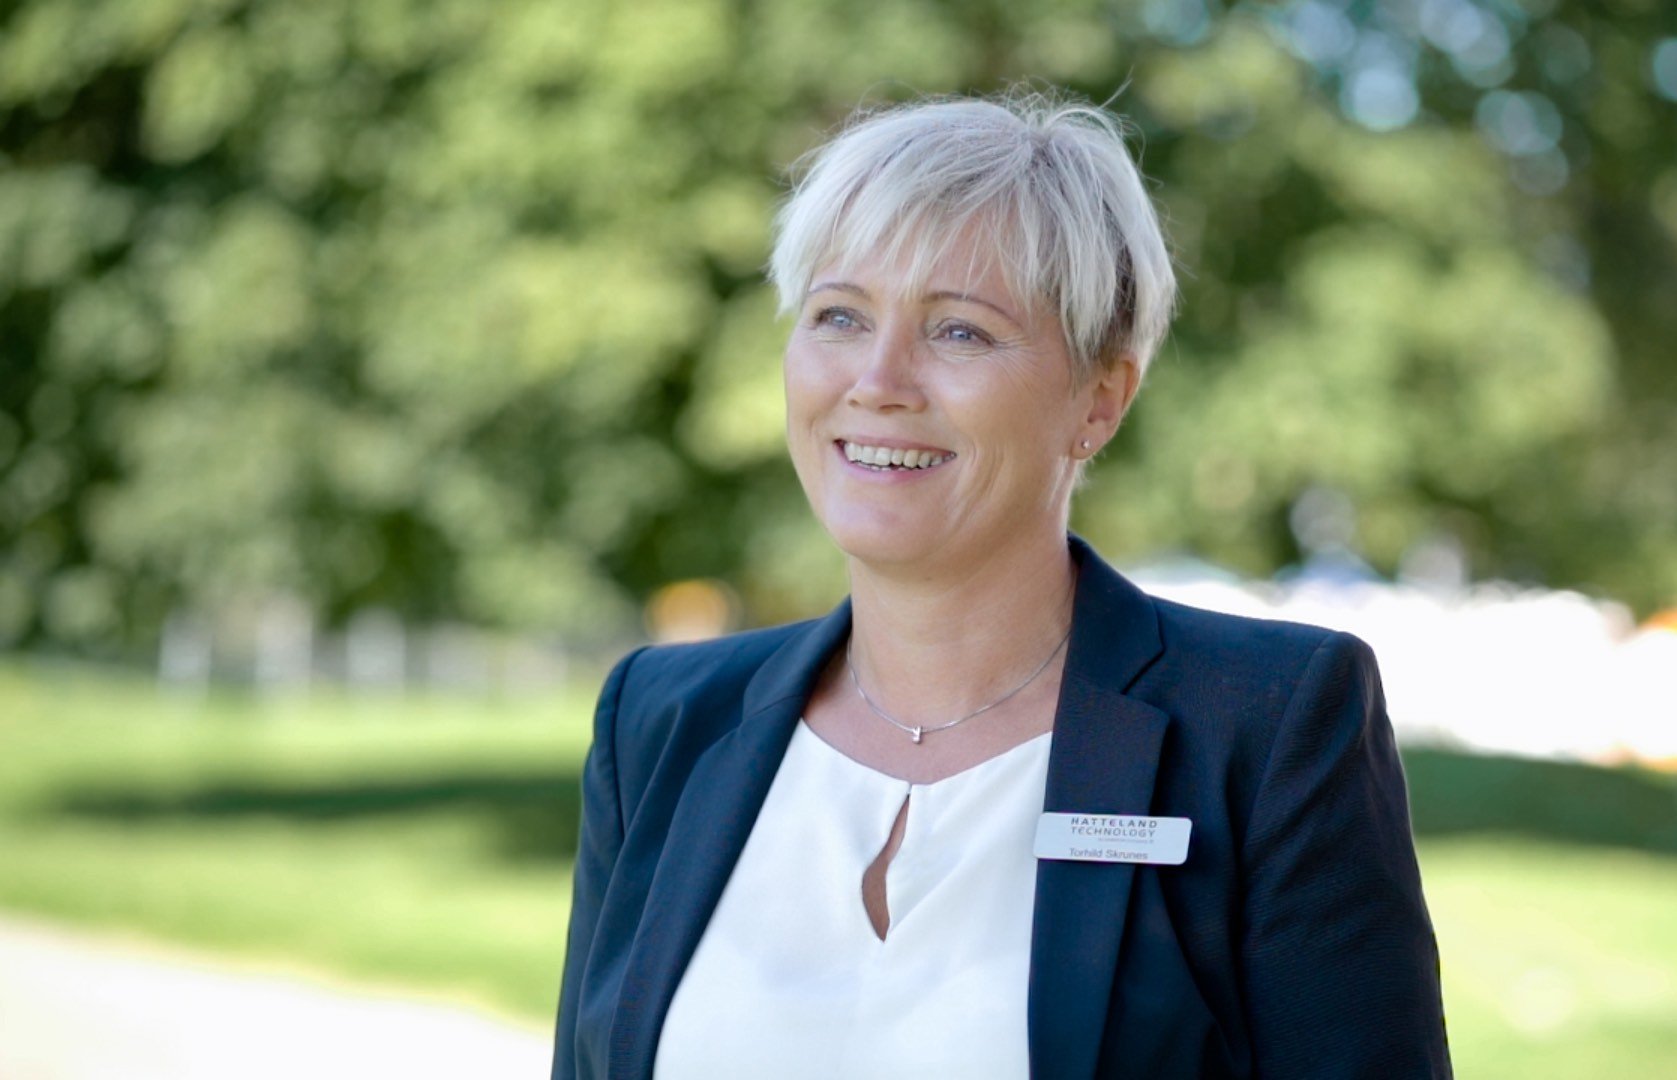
1114	626
712	820
1103	759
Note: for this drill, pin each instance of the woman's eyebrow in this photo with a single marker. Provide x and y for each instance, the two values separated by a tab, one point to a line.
840	286
939	294
969	298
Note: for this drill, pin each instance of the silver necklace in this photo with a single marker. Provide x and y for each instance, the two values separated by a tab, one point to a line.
917	731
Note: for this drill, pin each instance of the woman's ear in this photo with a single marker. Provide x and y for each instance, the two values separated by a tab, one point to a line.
1110	395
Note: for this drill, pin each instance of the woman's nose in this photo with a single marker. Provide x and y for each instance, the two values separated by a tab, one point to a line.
887	377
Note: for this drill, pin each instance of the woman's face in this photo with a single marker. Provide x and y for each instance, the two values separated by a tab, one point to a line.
943	425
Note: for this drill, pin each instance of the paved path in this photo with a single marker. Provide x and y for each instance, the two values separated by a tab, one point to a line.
76	1007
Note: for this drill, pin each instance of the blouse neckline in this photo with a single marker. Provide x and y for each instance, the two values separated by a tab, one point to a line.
1010	752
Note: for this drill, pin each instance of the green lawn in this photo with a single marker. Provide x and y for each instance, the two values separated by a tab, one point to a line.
426	843
1558	961
420	842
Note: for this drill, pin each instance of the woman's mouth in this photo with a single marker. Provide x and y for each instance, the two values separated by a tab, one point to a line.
893	458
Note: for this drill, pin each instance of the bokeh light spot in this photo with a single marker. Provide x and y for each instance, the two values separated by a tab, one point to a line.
1519	123
1664	68
1381	98
1180	22
1563	53
1319	32
691	610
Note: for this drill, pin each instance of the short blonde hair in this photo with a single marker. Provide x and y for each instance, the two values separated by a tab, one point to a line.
1049	184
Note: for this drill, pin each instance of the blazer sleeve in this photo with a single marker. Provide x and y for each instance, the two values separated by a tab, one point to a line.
1340	964
597	847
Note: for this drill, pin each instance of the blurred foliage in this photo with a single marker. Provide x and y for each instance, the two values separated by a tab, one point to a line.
454	307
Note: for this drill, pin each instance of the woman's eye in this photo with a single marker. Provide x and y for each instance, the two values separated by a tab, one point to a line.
836	319
965	334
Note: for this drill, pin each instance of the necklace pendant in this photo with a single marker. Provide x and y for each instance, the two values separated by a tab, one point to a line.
918	731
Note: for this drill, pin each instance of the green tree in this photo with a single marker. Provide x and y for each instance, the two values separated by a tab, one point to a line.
455	307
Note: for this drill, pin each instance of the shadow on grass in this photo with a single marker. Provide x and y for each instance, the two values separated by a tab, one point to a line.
1451	793
536	815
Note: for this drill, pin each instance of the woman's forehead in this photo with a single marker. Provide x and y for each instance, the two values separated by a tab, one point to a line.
969	263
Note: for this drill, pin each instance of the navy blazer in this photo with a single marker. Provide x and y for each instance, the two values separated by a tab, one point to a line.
1293	943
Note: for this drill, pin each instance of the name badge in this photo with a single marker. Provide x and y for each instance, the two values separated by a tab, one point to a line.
1157	841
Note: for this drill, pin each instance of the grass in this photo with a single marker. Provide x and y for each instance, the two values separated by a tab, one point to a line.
426	843
420	842
1559	961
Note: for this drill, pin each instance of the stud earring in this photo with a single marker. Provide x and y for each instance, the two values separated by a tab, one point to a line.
1085	444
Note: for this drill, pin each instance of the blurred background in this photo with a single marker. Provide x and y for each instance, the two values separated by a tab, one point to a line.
372	374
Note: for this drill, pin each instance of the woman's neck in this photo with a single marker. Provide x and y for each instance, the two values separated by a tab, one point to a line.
931	645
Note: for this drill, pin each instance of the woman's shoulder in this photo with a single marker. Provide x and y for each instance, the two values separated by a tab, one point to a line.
672	701
698	671
1251	697
1243	652
1236	682
1238	645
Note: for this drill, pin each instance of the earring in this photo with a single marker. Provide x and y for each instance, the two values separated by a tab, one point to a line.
1085	444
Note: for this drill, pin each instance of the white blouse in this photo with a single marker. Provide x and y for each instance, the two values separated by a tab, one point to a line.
790	979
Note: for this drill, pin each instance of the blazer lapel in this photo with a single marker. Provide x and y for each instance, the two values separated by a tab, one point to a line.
1105	755
712	820
1104	759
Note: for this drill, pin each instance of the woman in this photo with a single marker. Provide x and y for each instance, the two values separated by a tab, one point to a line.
879	844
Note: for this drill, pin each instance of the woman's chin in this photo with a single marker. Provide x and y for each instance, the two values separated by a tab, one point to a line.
877	543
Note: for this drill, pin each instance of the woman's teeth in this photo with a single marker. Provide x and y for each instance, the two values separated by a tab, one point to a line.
887	457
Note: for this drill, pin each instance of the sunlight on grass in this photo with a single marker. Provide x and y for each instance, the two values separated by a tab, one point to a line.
421	841
1558	961
417	902
427	843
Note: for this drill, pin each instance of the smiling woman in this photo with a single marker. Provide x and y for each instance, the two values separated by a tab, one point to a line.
839	848
956	372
